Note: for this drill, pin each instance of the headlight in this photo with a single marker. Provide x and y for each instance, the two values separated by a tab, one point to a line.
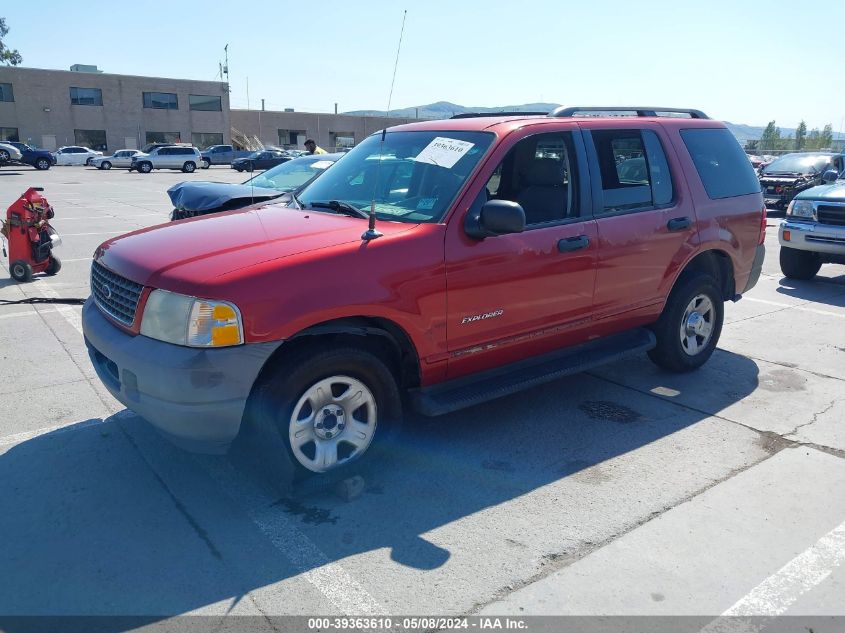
183	320
801	209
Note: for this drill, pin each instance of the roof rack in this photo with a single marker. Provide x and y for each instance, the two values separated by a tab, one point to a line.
640	110
474	115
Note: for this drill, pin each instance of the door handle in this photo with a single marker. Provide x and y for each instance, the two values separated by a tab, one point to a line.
569	244
678	224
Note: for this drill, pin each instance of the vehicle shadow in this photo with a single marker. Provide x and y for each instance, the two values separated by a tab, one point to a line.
106	518
831	291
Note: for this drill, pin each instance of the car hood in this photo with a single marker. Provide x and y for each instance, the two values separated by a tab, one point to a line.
833	192
205	196
183	256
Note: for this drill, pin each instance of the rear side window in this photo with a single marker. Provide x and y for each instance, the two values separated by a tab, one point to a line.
634	171
724	168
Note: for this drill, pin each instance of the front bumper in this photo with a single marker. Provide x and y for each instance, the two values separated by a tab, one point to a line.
811	236
195	397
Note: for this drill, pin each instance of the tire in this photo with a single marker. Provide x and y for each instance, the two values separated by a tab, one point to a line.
4	156
145	167
239	169
689	328
20	270
796	264
105	165
189	167
288	392
205	164
88	161
54	266
42	164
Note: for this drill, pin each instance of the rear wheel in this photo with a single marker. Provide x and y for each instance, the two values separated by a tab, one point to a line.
326	409
189	167
797	264
689	328
54	266
20	270
42	164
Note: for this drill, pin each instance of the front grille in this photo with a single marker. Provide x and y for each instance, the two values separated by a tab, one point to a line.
115	295
831	214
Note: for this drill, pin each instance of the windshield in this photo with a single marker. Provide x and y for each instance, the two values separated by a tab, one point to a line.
413	178
798	164
292	174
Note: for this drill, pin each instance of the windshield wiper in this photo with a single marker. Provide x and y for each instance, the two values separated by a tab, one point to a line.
338	206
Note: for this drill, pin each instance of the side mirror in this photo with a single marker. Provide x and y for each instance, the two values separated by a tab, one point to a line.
830	176
496	217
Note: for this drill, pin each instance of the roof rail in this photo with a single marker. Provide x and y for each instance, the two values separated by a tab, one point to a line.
474	115
640	110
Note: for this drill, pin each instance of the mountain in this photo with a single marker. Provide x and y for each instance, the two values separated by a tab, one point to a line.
445	109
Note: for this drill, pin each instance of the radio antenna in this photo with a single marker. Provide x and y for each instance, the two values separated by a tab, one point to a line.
371	233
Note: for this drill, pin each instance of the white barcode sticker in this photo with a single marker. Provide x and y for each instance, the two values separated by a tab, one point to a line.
444	152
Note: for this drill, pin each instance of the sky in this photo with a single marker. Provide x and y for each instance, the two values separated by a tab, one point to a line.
741	61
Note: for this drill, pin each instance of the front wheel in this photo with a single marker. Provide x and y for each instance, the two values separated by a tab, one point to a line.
206	163
20	270
145	168
327	408
189	167
4	156
42	164
689	328
105	165
797	264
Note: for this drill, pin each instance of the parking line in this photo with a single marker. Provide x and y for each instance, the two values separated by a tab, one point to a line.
12	315
781	590
19	438
328	577
803	307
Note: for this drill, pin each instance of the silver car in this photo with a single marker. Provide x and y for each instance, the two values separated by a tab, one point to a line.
182	157
121	158
9	152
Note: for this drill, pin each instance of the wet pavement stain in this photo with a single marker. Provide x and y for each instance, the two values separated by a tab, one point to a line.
609	411
312	515
783	380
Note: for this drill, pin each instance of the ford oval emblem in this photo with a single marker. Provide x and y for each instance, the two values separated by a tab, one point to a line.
106	291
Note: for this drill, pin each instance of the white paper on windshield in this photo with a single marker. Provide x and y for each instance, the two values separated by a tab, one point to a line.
443	152
322	164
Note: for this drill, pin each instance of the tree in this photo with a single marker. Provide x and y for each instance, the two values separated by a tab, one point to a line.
751	144
813	139
826	137
7	56
770	138
801	135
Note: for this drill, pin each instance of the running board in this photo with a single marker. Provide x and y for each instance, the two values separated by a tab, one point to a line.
503	381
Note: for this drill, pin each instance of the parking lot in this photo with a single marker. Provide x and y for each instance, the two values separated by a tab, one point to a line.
622	491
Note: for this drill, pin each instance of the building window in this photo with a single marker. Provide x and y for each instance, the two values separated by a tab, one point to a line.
342	140
9	134
164	137
161	100
205	102
289	138
206	139
86	96
92	139
6	92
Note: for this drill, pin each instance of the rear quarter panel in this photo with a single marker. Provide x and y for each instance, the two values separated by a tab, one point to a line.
730	225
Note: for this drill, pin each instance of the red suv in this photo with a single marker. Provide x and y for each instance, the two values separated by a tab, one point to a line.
503	252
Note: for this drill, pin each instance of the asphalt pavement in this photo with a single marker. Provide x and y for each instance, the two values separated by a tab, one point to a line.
623	491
